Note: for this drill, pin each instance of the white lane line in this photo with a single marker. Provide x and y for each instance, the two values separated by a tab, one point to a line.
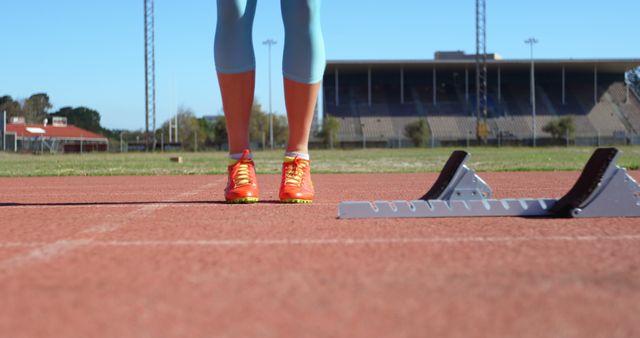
330	241
48	251
141	211
41	253
10	245
368	241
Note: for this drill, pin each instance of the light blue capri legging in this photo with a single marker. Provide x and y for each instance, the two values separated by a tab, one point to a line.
304	57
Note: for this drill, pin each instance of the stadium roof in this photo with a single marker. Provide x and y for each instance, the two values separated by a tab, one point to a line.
69	132
604	65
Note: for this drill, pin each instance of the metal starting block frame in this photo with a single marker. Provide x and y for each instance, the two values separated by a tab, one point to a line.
602	190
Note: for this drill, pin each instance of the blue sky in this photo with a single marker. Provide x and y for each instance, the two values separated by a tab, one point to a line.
91	53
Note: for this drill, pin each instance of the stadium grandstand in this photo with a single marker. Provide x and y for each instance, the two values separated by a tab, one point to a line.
57	137
375	100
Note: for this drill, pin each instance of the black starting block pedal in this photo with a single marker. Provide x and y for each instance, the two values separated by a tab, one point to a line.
457	182
602	190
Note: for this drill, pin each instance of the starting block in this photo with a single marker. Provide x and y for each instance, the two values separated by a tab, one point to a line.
602	190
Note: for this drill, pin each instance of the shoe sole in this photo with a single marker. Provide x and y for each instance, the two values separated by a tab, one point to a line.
244	200
297	201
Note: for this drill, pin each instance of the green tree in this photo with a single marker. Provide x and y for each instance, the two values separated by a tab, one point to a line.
560	128
189	130
329	132
219	132
207	129
12	107
82	117
259	127
633	79
280	130
36	108
417	132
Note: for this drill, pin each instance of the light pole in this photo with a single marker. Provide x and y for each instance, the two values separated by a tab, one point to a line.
531	42
269	43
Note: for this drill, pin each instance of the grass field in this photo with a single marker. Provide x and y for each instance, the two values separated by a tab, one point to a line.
325	161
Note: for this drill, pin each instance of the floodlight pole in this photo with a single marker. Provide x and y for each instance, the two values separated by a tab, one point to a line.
481	69
531	42
149	75
269	43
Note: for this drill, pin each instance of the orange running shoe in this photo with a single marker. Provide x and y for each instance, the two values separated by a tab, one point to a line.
296	185
242	185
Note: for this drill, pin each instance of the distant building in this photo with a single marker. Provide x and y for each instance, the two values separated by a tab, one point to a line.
58	137
374	100
461	55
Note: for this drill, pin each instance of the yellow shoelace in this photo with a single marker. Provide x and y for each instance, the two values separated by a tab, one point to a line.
242	176
294	172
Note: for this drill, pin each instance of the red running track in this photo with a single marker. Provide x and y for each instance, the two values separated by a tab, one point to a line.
161	257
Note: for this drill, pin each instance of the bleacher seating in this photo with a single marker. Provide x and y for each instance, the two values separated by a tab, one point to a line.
604	118
630	109
350	129
448	108
632	114
584	127
519	97
452	118
399	124
452	128
571	106
518	127
378	128
618	92
583	94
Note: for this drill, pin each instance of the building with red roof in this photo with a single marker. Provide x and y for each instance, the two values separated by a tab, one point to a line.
56	137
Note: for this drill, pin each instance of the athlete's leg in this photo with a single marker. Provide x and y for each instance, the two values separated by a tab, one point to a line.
237	98
300	100
235	65
303	67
